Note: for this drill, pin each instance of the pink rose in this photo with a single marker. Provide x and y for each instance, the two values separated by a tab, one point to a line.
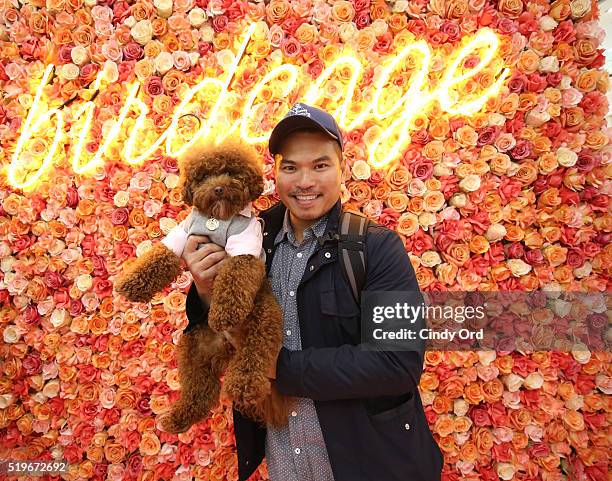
388	218
535	257
76	307
536	83
565	32
30	315
120	216
451	30
88	73
53	280
362	19
422	168
522	150
480	417
290	47
384	43
527	24
488	135
31	364
586	161
133	51
517	82
506	26
63	54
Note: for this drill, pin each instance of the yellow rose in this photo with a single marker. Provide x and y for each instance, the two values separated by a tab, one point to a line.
518	267
142	32
361	170
470	183
430	258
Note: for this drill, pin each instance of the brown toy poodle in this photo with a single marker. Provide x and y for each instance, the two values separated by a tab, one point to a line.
220	182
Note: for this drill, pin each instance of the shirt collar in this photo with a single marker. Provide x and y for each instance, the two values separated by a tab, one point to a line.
315	230
246	211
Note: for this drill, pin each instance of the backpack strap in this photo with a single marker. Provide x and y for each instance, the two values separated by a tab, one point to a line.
351	250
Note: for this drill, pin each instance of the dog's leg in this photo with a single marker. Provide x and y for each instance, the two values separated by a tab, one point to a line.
234	291
148	274
246	382
202	356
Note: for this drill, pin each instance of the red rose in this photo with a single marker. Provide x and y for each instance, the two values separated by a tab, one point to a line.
88	410
506	26
169	164
539	450
497	413
236	11
121	10
388	218
133	51
63	54
478	265
586	161
594	420
153	86
315	68
565	32
480	417
535	257
102	287
436	37
515	125
417	26
509	189
30	49
536	83
516	251
522	150
422	169
123	251
361	5
517	82
219	23
120	216
420	137
22	243
575	258
76	307
554	78
88	73
488	135
376	177
527	24
362	19
31	364
111	416
443	242
134	465
384	43
54	280
594	103
31	315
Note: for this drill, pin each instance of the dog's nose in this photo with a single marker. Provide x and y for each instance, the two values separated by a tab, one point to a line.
218	191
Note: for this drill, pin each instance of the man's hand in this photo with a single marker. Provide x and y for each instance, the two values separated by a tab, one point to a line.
203	263
234	336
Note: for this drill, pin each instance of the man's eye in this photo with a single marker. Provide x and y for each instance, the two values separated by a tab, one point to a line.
288	168
321	166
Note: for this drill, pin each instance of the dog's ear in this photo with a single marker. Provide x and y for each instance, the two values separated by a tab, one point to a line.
187	192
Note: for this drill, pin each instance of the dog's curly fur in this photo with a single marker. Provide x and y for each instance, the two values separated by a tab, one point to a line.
219	181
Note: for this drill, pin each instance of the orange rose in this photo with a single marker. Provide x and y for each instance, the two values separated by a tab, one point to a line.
379	10
444	425
560	10
468	452
457	253
519	418
473	393
510	8
277	11
447	273
149	444
397	22
433	150
398	201
424	277
114	452
587	80
306	33
452	387
483	440
398	177
519	441
456	8
478	244
492	391
165	352
433	201
407	224
441	405
343	11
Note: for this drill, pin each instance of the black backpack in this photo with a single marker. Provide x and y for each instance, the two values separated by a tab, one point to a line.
352	230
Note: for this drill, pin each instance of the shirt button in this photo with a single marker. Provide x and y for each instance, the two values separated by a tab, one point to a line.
297	451
312	268
265	233
299	254
291	293
293	413
407	426
327	255
269	250
288	332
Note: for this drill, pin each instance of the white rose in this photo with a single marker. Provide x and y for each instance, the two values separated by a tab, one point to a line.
129	21
575	402
430	258
496	119
603	383
537	117
566	157
495	232
194	57
566	82
534	380
197	17
561	308
163	62
59	318
111	72
505	471
580	8
547	23
581	353
460	407
6	400
458	199
549	64
400	6
584	270
142	32
379	26
143	247
486	357
69	71
79	55
361	170
441	170
513	382
426	219
171	180
83	282
518	267
164	7
225	58
11	334
121	198
207	33
470	183
91	3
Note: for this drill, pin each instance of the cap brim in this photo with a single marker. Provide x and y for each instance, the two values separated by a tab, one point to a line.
291	124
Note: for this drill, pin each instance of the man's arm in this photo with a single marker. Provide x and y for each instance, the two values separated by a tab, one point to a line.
348	372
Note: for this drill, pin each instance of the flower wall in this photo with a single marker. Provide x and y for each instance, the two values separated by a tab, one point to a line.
514	197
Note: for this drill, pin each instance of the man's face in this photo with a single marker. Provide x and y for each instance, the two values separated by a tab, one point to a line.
308	177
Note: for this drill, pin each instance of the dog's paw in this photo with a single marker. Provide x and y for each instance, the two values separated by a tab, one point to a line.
173	424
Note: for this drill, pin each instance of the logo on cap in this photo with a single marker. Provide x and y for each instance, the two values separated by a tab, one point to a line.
298	109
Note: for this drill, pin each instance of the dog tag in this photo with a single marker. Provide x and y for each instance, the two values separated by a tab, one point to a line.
212	224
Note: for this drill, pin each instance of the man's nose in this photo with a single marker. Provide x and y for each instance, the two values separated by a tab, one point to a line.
305	179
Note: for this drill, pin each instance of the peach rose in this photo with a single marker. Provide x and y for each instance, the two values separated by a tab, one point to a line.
398	201
433	201
114	452
343	11
408	224
149	444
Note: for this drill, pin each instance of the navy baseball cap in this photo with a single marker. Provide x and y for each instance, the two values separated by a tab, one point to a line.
302	116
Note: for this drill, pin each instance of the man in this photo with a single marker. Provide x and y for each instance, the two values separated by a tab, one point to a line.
359	415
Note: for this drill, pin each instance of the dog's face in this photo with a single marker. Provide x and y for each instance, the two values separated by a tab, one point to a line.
220	180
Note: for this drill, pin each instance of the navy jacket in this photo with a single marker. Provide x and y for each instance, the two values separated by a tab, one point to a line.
367	402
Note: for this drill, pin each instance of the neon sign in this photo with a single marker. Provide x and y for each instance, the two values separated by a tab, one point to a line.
382	150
